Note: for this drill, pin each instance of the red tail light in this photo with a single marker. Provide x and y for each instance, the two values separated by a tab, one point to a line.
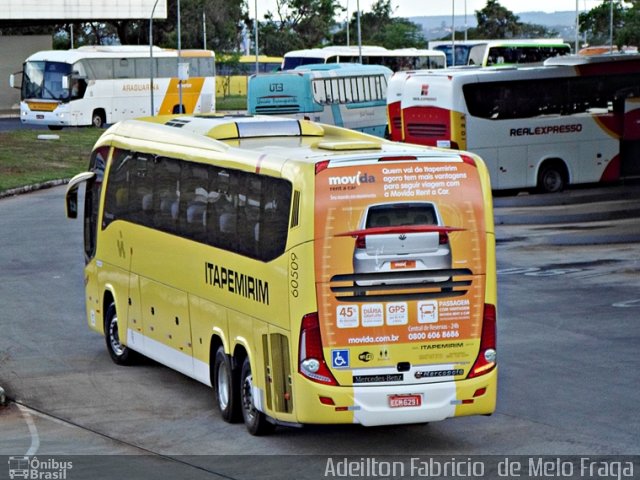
311	362
443	238
361	241
486	360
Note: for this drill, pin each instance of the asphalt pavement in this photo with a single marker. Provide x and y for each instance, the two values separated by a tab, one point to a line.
579	216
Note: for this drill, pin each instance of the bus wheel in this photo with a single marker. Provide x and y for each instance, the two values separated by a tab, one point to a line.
255	421
98	119
119	353
552	178
226	386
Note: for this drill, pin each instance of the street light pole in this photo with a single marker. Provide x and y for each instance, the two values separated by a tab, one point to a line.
610	26
453	32
255	29
359	34
180	109
348	23
577	26
151	56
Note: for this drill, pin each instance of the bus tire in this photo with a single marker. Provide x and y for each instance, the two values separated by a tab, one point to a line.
552	177
255	421
98	118
120	354
226	387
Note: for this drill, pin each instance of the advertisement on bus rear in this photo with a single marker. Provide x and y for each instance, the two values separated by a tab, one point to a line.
400	261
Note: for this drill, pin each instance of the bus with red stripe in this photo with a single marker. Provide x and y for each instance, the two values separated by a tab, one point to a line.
573	120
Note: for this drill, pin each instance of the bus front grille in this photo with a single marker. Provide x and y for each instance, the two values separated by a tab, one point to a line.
277	109
427	130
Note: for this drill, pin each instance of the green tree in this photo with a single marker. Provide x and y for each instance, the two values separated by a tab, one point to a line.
629	33
496	21
297	24
596	22
379	27
224	22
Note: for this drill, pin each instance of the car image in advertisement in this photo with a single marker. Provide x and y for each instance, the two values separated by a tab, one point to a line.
401	237
400	261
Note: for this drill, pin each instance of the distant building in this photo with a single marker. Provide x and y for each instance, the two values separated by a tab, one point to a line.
15	49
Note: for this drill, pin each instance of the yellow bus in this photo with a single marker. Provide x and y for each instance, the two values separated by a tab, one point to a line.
233	77
310	274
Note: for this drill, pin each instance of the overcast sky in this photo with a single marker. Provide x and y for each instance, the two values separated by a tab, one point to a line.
413	8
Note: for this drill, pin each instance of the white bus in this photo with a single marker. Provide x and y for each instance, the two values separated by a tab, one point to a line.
573	120
346	95
396	60
95	85
496	53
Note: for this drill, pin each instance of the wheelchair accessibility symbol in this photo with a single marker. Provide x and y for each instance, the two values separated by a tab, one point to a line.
340	358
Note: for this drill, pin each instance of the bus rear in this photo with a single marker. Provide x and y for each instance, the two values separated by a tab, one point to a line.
394	102
405	327
283	93
430	112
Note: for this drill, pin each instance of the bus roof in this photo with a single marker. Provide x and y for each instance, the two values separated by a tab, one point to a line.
592	59
368	50
100	51
274	137
340	68
500	42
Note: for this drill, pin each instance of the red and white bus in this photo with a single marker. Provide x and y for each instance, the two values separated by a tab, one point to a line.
572	120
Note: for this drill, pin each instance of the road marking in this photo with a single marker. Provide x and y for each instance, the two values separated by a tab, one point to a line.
35	438
628	304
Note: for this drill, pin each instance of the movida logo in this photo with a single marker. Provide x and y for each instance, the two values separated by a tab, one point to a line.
356	179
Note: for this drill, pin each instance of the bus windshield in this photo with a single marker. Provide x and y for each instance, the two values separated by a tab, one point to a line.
43	80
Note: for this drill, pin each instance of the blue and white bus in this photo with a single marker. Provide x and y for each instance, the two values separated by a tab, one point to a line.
347	95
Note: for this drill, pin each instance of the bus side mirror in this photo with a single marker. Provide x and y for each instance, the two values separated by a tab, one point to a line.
72	203
12	80
71	198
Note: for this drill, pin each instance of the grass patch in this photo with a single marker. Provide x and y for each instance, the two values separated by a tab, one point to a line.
232	102
25	160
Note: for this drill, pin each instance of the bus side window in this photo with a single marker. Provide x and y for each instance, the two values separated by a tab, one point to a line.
192	212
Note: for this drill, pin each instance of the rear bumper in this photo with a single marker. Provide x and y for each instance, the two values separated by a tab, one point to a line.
369	406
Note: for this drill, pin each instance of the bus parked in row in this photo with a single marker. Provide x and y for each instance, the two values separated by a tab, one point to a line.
96	85
395	59
573	120
233	75
347	95
308	273
498	53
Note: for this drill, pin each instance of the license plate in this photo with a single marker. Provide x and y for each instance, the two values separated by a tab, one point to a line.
401	401
40	117
403	264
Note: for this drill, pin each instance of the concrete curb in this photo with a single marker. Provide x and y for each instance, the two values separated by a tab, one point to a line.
540	217
32	188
